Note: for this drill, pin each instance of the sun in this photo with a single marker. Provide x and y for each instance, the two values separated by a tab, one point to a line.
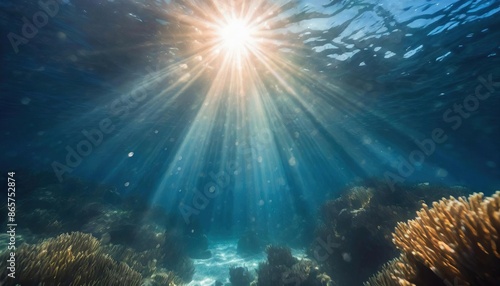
233	43
236	37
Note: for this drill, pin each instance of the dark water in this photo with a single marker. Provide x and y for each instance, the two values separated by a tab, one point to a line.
128	96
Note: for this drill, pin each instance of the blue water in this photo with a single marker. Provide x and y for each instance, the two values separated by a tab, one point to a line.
132	95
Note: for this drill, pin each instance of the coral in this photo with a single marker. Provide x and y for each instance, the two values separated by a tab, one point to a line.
394	273
167	253
280	255
184	268
129	230
281	268
354	239
239	276
166	279
306	272
69	259
271	275
359	197
457	240
144	262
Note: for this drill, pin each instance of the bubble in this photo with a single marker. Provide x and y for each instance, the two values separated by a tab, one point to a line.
126	184
261	202
130	154
441	173
346	256
25	100
292	161
61	35
281	181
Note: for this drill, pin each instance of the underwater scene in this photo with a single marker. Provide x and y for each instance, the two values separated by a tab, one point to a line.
238	142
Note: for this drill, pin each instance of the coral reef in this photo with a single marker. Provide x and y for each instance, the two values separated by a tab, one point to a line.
164	251
69	259
455	241
281	268
239	276
280	255
394	273
129	229
354	239
164	279
147	248
49	208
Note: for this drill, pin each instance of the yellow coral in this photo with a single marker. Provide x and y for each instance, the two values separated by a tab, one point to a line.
397	272
457	239
70	259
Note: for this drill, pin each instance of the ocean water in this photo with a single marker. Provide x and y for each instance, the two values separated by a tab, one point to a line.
187	136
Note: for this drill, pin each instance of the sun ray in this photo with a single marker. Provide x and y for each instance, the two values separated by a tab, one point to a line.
256	81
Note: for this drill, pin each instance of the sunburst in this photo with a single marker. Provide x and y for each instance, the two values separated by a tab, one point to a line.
232	38
236	37
249	64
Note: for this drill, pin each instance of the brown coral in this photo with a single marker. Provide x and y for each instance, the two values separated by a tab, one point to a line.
394	273
282	269
166	279
457	240
69	259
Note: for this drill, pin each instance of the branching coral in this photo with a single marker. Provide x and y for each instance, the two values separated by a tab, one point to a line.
354	238
394	273
457	240
69	259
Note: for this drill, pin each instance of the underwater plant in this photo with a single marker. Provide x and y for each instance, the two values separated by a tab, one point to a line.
68	259
455	241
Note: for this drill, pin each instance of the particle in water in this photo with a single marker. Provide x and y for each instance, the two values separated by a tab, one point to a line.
25	100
